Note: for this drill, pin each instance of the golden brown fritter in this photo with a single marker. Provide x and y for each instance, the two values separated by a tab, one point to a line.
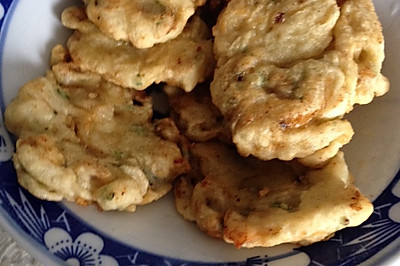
284	113
253	203
196	115
286	30
86	140
358	33
182	62
284	94
144	23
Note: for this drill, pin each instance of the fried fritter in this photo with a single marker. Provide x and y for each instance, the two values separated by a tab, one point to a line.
143	23
358	33
86	140
283	97
253	203
196	115
287	30
284	112
182	62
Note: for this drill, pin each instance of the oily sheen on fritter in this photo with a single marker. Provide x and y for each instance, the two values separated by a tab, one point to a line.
84	139
288	71
253	203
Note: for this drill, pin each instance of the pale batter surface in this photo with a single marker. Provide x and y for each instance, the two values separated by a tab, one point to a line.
253	203
87	140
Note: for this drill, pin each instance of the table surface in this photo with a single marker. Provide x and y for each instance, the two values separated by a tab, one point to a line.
12	255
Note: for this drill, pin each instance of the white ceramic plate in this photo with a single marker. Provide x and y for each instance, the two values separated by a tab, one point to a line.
155	234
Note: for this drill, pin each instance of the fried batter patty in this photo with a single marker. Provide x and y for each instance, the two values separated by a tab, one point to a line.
284	112
196	115
358	32
182	62
283	97
253	203
86	140
287	30
142	22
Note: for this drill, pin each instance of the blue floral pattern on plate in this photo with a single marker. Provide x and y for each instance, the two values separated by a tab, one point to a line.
67	237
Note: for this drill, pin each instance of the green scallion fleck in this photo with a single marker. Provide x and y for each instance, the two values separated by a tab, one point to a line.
281	205
139	130
118	154
110	196
62	93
